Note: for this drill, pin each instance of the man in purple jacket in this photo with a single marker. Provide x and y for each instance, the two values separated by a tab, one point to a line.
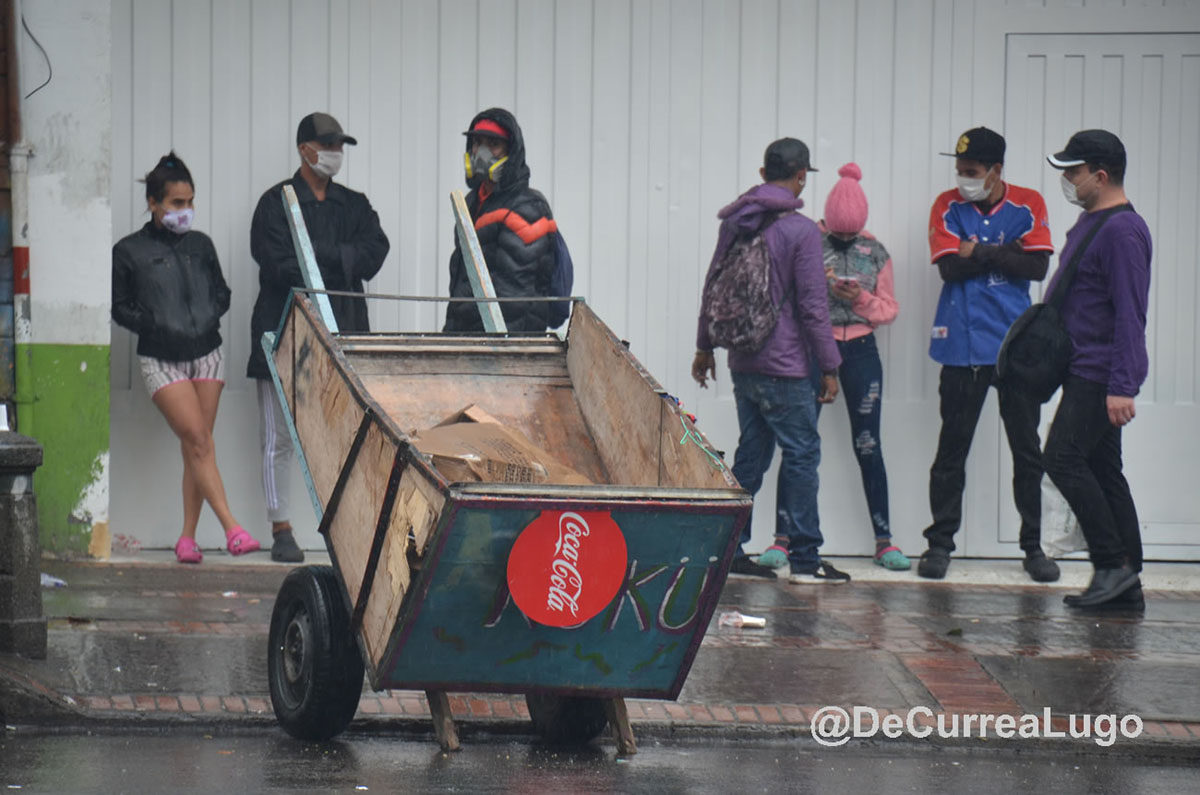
775	401
1105	316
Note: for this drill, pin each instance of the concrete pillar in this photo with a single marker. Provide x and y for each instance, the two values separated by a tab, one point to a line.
22	625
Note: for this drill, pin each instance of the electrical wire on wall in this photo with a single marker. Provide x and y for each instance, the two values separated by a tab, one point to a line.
49	66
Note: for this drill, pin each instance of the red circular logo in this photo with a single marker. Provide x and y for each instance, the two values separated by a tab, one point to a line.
565	567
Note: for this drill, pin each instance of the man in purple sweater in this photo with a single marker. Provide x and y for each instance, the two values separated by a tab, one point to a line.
775	400
1105	317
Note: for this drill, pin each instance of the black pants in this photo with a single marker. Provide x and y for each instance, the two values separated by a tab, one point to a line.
1083	458
963	391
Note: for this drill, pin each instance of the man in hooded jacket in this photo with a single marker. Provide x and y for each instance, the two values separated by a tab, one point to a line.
775	399
514	225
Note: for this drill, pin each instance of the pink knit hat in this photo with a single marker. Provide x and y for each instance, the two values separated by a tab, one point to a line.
846	206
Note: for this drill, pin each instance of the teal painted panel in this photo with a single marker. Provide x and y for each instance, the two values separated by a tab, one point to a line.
467	632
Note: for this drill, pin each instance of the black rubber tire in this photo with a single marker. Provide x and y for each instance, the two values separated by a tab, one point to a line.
313	664
566	720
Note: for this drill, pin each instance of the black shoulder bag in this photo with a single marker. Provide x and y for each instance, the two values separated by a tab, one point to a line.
1036	351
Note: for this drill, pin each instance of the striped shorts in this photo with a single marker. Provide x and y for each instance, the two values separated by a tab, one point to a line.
158	373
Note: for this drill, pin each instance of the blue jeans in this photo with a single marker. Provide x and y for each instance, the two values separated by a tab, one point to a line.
861	377
773	410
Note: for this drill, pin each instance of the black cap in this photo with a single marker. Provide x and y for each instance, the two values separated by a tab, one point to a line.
323	128
1091	146
786	155
979	143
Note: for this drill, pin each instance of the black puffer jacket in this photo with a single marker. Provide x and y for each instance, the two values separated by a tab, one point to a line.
169	290
514	225
349	244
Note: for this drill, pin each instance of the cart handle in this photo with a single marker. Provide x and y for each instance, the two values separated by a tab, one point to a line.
477	269
308	260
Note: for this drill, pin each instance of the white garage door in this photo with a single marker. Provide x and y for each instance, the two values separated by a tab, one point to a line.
1145	88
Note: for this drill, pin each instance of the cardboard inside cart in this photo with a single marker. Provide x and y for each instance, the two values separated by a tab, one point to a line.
472	446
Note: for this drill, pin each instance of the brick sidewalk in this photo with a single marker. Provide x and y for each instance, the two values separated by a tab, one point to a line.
950	649
786	719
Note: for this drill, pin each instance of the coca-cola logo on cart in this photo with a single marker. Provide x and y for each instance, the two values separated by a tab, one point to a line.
565	567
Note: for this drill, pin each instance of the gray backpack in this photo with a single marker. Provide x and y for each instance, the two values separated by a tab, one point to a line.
736	303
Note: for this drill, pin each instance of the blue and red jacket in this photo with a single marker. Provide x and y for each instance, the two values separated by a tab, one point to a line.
973	315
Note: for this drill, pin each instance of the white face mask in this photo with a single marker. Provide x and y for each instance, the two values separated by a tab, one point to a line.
973	190
179	221
328	164
1071	190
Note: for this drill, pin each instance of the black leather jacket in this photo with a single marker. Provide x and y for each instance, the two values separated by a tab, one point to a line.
169	290
349	244
514	226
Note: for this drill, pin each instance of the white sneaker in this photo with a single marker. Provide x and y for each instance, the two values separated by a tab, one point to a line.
825	574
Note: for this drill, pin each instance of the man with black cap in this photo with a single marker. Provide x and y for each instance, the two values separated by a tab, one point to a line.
1104	314
513	222
988	239
350	248
775	398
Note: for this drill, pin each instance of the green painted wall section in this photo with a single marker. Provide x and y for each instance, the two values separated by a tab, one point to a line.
69	417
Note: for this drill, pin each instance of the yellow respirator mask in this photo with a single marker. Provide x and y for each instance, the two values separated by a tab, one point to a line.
483	164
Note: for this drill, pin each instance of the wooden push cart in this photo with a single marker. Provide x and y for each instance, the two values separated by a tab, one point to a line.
440	584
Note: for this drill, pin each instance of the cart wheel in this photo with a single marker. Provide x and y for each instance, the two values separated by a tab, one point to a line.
313	664
566	720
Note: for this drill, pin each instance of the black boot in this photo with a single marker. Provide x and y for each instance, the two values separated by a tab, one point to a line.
934	563
1040	567
1132	601
1106	585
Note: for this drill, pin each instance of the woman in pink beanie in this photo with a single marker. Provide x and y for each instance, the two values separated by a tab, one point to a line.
861	298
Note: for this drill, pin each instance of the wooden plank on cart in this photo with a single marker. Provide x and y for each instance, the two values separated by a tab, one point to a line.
327	411
348	454
306	257
641	437
371	542
477	271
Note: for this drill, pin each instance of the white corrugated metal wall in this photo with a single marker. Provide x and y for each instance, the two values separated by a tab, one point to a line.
641	119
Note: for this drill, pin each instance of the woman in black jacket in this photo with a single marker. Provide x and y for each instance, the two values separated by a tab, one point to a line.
168	289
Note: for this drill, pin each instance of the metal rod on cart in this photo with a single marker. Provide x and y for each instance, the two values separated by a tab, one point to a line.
308	260
477	270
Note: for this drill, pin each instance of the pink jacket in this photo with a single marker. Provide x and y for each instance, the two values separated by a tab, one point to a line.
865	259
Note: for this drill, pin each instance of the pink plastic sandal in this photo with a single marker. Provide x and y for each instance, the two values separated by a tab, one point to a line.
239	542
187	550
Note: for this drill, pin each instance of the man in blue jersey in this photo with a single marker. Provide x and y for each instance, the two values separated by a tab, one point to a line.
989	239
1105	316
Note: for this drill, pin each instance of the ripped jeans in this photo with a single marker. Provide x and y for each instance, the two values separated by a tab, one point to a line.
780	412
861	381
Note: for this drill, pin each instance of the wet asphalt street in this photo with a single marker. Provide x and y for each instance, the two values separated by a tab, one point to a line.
185	762
155	681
